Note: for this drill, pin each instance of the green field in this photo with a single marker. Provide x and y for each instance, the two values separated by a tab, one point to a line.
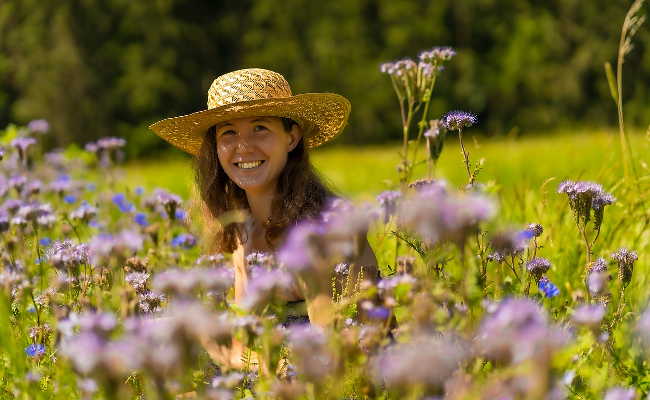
361	172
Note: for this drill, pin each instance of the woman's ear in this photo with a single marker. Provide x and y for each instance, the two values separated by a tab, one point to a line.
295	134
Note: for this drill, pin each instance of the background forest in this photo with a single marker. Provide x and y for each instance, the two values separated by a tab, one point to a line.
95	68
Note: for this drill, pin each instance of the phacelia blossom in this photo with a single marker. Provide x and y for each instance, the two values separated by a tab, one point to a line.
535	230
265	287
104	247
309	349
518	330
509	243
457	120
23	143
597	283
620	393
38	126
548	288
400	366
538	266
388	203
85	212
437	54
598	265
65	255
169	202
585	197
625	260
183	282
438	216
589	315
642	329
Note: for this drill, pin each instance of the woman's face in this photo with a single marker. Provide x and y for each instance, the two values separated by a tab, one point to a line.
253	151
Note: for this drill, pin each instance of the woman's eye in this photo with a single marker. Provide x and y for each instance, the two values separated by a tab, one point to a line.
260	128
228	132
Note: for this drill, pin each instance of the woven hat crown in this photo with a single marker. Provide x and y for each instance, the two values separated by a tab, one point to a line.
245	85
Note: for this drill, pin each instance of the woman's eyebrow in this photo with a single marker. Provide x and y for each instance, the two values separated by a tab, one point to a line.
221	125
261	119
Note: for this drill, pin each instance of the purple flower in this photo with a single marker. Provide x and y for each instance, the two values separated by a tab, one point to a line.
85	212
538	266
308	345
438	216
137	280
509	243
70	199
184	282
265	287
35	350
589	315
534	230
38	125
597	282
120	201
620	393
625	259
599	265
548	288
457	120
184	240
401	366
22	144
61	184
141	219
139	190
295	254
437	55
583	198
104	247
170	202
380	313
388	203
518	330
65	254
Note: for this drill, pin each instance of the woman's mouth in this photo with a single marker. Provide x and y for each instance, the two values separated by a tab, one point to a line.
249	164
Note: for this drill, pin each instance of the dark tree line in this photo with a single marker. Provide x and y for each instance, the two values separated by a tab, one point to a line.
111	67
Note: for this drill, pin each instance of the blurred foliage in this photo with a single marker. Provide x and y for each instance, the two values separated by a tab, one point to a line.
95	68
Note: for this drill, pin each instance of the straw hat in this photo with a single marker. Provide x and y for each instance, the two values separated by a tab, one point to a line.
257	92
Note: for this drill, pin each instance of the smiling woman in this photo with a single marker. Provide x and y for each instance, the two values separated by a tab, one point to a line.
250	149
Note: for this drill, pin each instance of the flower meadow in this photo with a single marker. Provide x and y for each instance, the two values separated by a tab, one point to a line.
105	291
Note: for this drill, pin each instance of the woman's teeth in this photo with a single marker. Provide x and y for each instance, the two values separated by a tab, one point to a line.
249	165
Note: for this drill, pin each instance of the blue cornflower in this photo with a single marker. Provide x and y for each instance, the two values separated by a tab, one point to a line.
457	120
70	199
35	350
120	201
180	214
548	288
45	241
378	313
95	224
91	187
184	240
141	219
139	190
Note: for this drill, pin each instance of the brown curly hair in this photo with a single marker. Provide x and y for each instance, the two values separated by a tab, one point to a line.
301	194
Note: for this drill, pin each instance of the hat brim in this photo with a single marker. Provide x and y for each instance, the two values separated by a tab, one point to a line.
322	116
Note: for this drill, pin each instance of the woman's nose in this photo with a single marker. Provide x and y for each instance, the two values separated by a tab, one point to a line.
243	143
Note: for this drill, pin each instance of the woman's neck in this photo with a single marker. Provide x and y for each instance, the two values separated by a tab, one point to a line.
260	203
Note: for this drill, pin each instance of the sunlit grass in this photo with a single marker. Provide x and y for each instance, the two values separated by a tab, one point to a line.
361	172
